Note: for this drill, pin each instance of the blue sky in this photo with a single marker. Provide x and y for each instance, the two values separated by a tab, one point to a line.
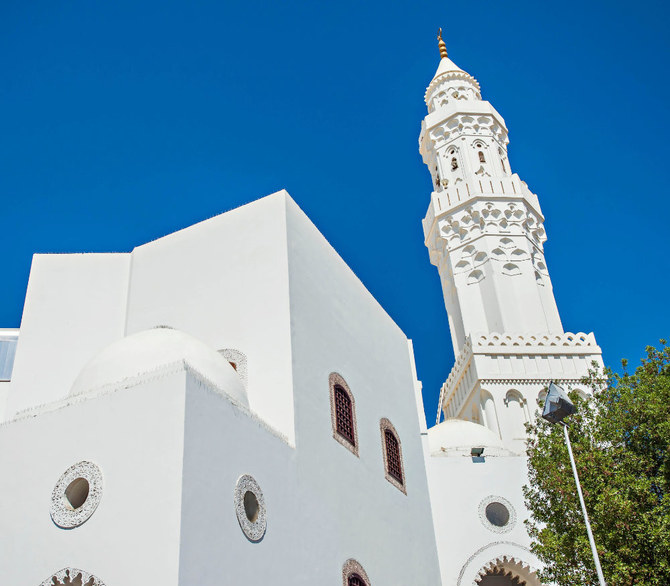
124	121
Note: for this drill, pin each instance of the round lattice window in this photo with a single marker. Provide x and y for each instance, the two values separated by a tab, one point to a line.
250	507
497	514
76	495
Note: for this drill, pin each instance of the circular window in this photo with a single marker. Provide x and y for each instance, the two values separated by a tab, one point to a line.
497	514
250	508
76	495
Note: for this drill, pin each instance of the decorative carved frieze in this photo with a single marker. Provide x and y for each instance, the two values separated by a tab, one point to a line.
72	577
489	217
460	125
580	339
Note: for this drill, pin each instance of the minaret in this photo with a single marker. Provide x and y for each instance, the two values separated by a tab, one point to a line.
484	230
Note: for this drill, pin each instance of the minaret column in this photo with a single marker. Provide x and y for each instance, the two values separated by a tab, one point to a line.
484	227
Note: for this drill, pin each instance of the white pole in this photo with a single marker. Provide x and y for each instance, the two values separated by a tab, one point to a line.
594	551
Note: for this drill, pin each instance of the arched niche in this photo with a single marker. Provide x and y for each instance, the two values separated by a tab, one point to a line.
517	414
489	412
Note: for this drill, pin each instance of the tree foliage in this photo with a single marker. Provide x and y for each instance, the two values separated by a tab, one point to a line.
621	442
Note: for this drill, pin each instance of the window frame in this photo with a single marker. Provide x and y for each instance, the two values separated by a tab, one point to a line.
352	568
386	426
336	380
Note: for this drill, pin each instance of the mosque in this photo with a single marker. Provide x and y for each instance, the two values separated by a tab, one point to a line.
228	404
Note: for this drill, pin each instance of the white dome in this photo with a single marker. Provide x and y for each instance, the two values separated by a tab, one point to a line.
148	351
457	437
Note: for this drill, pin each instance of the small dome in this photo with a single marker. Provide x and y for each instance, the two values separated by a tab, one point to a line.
148	351
457	437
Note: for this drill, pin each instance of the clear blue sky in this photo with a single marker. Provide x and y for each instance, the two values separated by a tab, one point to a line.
124	121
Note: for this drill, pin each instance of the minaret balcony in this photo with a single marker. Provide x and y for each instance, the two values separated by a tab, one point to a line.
448	199
515	360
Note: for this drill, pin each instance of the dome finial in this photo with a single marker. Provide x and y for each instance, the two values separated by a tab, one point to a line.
441	44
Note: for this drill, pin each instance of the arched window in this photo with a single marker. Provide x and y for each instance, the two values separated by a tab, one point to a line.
393	464
454	164
344	417
343	413
353	574
482	159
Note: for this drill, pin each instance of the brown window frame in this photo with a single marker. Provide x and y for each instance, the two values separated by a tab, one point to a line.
385	427
337	384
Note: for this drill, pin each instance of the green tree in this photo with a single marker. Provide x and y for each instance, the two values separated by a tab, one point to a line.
621	442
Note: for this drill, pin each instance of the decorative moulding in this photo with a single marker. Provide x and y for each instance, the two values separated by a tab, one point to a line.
511	522
72	577
62	511
512	568
385	424
336	379
252	518
350	567
497	553
524	342
239	359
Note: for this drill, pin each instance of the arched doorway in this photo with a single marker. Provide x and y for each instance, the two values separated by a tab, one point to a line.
72	577
500	577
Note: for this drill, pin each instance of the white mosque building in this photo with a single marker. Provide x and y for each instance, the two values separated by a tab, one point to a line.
230	405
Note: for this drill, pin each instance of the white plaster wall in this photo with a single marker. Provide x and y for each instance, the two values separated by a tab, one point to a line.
457	486
221	444
75	306
225	281
135	436
337	326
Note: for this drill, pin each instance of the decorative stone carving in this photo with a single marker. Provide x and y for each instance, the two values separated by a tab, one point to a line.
509	255
238	360
80	482
72	577
539	267
337	379
463	125
385	424
250	507
517	570
351	567
471	261
485	517
487	217
579	339
451	85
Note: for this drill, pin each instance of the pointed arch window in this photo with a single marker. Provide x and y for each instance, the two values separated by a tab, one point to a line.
482	158
353	574
343	413
392	450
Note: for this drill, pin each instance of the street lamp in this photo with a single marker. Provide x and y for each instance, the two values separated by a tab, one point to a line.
557	406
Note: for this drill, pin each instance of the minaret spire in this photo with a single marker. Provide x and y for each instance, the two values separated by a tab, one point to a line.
441	44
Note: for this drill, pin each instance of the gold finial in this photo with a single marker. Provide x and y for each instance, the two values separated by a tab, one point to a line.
441	44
